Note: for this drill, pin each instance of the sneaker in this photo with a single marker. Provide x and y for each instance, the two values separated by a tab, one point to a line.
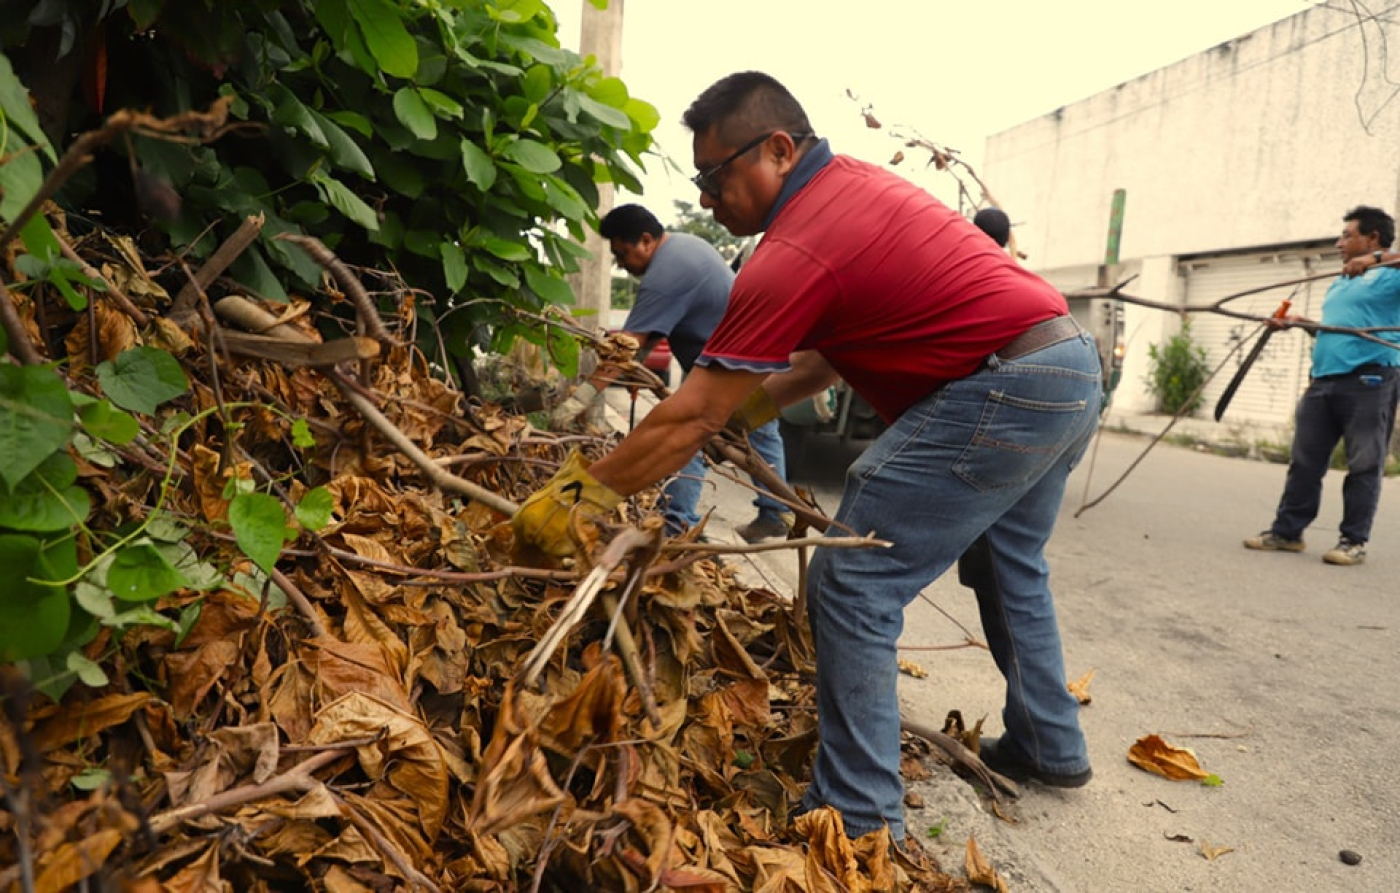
1006	759
1345	552
762	528
1268	541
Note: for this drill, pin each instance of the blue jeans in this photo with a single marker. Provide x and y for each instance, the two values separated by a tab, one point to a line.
682	493
987	454
1350	409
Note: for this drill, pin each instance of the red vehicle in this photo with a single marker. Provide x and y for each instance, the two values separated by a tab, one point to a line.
659	360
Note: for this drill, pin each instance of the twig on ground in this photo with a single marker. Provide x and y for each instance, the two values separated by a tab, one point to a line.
963	757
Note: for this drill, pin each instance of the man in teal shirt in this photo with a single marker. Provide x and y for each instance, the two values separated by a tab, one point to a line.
1352	395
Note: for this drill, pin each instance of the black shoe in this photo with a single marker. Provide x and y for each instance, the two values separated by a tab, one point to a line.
1005	759
762	528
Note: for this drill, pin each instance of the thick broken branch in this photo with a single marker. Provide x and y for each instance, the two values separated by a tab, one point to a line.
374	326
249	315
218	262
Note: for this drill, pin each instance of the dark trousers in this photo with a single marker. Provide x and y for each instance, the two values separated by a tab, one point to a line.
1359	410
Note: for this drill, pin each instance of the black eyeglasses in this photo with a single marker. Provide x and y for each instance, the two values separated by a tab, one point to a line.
705	180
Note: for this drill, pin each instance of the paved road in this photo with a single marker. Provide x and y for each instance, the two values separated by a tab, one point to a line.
1279	671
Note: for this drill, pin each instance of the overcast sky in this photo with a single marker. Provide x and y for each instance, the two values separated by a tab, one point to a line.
954	72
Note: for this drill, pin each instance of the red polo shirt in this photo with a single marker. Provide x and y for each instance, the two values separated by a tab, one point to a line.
898	292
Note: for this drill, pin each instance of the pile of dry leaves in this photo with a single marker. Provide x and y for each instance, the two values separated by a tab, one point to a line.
403	704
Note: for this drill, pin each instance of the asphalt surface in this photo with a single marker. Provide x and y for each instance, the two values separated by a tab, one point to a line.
1277	670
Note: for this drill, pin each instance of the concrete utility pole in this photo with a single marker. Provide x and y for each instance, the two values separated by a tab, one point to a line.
601	36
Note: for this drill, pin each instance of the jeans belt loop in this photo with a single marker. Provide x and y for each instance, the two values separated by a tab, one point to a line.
1039	336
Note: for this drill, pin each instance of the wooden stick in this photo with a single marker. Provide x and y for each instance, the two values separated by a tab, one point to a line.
249	315
300	601
622	545
353	289
218	262
961	755
20	345
299	778
123	303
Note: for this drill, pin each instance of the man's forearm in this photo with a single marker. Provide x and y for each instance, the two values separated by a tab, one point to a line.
810	374
661	444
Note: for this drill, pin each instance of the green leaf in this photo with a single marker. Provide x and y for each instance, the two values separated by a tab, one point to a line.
93	777
414	113
344	151
609	115
90	673
189	616
259	525
293	114
564	199
454	265
96	600
140	573
564	352
33	615
301	435
346	201
443	106
535	157
47	499
314	510
141	615
480	167
19	114
142	378
385	35
553	289
507	250
1213	781
35	414
101	419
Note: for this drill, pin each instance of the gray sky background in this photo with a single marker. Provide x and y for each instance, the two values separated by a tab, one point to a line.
952	72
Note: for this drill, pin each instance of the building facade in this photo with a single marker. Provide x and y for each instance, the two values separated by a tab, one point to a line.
1238	164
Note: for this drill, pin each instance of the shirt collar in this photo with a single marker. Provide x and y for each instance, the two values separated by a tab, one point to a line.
807	167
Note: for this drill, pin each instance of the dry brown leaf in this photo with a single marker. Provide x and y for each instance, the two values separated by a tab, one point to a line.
979	870
517	784
201	876
193	674
1155	755
231	756
1214	852
210	480
909	668
72	862
1080	687
405	754
85	719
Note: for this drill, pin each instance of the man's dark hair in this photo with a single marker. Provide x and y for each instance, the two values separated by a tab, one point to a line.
1372	220
995	223
742	105
629	223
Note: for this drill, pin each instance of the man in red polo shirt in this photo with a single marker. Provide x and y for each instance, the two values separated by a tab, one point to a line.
991	390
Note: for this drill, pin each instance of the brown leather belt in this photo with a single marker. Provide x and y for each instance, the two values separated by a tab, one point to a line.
1040	336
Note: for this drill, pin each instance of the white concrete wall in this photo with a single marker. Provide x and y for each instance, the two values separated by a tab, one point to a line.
1259	141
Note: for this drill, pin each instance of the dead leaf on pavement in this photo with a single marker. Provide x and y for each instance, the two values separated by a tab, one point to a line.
1214	852
1080	687
1153	754
909	668
979	870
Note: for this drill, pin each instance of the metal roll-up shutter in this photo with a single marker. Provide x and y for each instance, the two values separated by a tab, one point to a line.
1271	389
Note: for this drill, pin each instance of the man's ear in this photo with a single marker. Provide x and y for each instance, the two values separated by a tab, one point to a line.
784	151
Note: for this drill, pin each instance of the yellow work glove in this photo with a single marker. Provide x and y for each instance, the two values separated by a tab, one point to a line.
758	409
544	520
